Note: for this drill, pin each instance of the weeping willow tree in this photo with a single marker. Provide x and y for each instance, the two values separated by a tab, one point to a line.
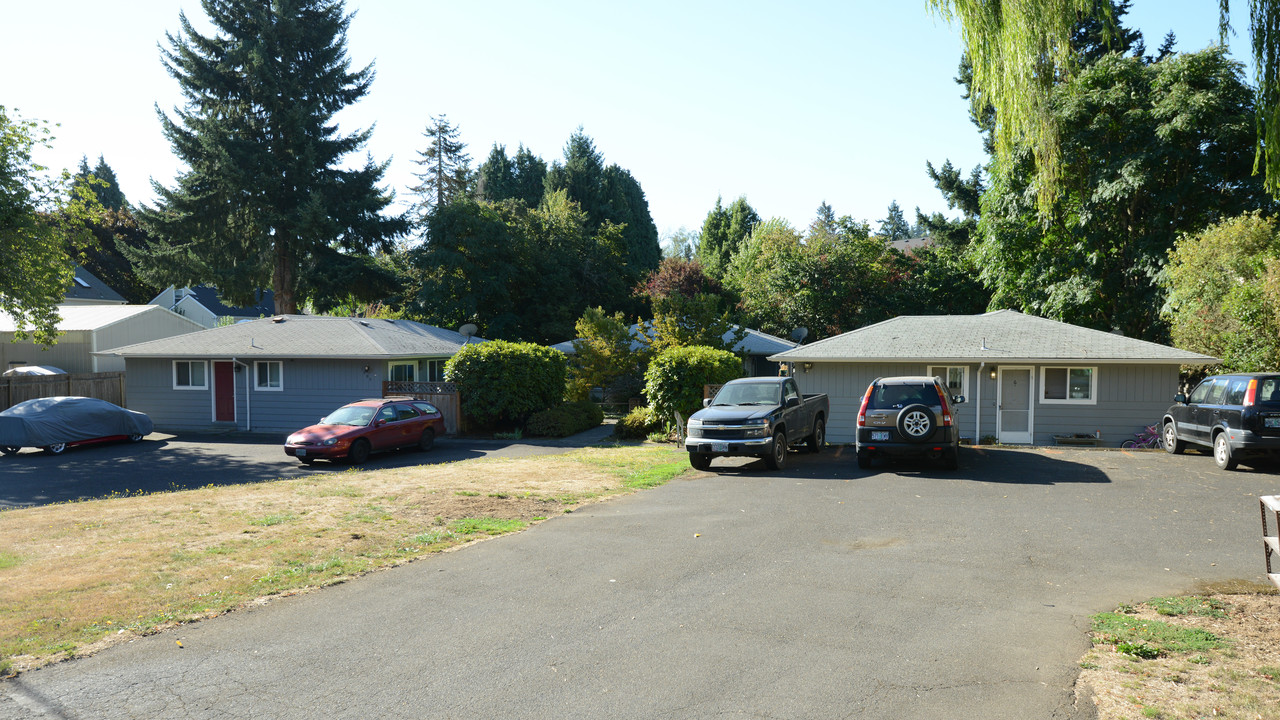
1020	48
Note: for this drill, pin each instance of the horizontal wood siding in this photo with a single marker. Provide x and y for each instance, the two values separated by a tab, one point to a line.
1129	398
312	389
151	391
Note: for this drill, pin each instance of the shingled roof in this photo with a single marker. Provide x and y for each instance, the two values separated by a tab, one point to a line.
1001	336
306	336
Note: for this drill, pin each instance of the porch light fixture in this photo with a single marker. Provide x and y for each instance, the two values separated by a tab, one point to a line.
807	366
993	372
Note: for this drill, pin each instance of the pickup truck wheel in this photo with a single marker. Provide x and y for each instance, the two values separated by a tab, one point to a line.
864	461
699	461
1172	444
916	423
819	436
777	458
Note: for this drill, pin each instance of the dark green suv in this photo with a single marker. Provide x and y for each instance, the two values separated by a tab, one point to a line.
1236	415
908	416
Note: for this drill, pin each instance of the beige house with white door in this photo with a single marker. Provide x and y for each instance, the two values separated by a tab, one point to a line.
1026	379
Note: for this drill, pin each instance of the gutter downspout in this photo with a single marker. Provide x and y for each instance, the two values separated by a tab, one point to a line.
977	416
248	409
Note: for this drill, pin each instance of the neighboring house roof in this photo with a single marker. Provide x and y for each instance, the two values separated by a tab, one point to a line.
1003	336
208	297
753	343
87	288
909	244
307	336
88	317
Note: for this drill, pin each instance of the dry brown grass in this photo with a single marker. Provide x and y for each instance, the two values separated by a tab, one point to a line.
1240	681
76	577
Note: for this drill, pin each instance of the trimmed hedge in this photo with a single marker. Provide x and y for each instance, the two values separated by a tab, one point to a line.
504	383
567	419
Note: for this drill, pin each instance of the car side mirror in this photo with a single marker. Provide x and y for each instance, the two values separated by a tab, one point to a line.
793	402
379	422
706	402
957	399
1180	399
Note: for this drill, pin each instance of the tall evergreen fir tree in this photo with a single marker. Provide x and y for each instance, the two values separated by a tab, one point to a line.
512	178
265	192
895	226
446	167
108	189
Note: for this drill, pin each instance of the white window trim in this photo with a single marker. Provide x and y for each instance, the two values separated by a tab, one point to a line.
267	388
964	376
1093	385
174	370
393	364
427	365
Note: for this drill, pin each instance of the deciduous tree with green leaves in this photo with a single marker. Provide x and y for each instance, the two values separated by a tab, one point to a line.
676	376
266	190
1224	293
42	218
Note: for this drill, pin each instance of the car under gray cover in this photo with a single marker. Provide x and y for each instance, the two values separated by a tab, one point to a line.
45	422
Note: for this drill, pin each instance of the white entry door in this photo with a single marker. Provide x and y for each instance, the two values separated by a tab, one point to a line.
1013	403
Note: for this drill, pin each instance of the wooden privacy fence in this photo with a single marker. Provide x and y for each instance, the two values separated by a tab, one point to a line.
443	395
107	386
1271	543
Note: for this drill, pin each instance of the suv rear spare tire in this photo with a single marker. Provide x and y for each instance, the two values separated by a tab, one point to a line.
916	423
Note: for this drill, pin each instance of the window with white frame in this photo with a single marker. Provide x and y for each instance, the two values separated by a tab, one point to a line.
268	375
955	378
403	371
1069	385
190	375
434	370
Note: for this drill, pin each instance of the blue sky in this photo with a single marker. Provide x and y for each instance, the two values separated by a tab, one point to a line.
842	102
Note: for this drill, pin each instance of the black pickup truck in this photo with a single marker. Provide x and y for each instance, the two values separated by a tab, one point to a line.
757	417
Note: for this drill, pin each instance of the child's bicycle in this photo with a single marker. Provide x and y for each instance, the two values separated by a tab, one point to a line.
1148	437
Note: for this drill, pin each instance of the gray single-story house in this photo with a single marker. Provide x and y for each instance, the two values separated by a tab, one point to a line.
84	330
281	373
1026	379
755	347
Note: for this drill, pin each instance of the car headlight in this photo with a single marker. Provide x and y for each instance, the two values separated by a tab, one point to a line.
330	441
694	422
756	428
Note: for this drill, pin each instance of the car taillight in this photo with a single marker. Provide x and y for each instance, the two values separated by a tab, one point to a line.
1251	394
862	411
946	409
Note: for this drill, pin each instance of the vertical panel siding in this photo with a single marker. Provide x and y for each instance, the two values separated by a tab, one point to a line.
70	353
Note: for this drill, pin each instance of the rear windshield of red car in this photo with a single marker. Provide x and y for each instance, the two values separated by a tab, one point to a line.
885	397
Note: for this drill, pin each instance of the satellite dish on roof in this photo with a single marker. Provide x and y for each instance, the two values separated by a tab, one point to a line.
468	331
799	334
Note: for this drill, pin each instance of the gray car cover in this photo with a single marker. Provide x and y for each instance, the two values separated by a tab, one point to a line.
47	421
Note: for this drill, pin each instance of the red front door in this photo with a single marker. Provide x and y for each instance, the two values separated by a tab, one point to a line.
224	392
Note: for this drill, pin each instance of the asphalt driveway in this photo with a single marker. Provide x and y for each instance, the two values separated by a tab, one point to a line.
164	462
819	592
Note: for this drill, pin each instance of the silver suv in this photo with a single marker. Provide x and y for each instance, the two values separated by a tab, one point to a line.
908	416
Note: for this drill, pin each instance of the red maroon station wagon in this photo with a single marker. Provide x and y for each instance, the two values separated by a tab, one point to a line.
354	431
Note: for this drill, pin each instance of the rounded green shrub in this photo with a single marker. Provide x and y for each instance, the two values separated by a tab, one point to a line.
674	380
504	383
637	424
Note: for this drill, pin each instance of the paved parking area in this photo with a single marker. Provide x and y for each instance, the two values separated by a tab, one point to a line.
164	462
819	592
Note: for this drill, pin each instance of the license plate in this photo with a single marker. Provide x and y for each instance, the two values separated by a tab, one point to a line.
1271	422
301	452
719	447
879	434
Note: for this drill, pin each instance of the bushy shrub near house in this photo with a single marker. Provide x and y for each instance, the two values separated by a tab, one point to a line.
565	419
504	383
637	424
674	380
